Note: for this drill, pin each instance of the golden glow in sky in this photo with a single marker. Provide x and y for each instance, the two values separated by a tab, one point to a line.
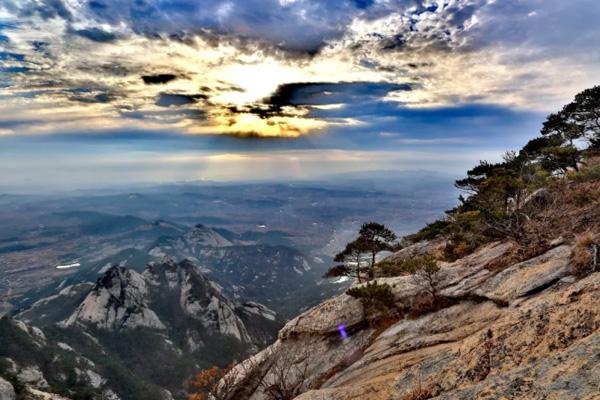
296	68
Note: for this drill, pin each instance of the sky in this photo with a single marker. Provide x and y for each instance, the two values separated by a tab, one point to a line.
95	92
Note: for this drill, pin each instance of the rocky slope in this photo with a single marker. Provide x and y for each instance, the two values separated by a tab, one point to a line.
526	331
135	335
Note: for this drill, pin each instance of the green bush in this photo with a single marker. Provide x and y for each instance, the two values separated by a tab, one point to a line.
430	231
408	265
591	172
377	300
391	268
585	196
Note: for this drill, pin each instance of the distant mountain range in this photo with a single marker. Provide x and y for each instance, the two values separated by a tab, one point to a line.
245	268
190	299
132	335
126	295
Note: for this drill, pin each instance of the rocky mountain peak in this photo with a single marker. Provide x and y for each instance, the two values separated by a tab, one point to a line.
189	244
118	301
161	298
117	278
205	236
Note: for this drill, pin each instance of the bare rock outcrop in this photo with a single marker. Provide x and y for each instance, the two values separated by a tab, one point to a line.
199	298
522	332
118	301
7	391
161	297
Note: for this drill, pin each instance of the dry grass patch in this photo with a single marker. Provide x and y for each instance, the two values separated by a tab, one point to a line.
418	393
585	253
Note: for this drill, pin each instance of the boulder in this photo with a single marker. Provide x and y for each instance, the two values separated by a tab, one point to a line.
7	391
325	318
32	376
527	277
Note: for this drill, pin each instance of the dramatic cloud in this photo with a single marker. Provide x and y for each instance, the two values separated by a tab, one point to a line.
307	96
288	68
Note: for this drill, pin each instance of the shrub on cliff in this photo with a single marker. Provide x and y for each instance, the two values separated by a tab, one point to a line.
426	272
590	171
287	377
214	383
585	254
377	299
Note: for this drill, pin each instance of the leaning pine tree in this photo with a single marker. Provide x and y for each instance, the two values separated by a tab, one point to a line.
377	238
359	256
351	261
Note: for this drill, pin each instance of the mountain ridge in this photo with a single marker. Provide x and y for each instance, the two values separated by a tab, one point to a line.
171	312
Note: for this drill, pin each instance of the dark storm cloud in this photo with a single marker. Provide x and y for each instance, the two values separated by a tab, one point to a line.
158	79
170	115
308	94
395	40
94	98
305	26
169	99
438	27
114	68
323	93
95	35
39	46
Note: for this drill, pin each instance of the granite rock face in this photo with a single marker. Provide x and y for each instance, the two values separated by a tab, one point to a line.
528	331
199	298
123	299
7	391
118	301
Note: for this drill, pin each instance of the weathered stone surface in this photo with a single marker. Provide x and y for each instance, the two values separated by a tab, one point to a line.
7	392
325	318
460	278
32	375
545	345
418	249
544	349
251	307
463	276
119	300
35	394
528	276
334	352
